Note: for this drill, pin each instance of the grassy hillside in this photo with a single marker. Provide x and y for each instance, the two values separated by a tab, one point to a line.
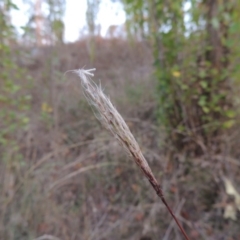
75	182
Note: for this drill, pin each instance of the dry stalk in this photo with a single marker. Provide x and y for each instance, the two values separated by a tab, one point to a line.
113	121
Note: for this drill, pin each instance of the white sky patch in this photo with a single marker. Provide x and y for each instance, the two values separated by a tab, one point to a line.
20	17
110	13
75	19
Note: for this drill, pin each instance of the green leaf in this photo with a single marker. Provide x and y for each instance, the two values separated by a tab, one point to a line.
25	120
13	6
204	84
205	109
230	113
202	73
215	23
202	101
229	124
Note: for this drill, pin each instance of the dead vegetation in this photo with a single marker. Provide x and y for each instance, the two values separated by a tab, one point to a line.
75	182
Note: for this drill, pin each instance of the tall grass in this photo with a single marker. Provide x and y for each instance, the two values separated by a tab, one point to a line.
113	122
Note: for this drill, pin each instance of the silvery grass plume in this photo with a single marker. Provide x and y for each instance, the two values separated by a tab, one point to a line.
113	121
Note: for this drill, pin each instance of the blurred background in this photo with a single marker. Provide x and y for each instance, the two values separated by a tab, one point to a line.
172	70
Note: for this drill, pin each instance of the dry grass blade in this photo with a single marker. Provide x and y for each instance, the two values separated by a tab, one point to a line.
113	121
75	173
47	237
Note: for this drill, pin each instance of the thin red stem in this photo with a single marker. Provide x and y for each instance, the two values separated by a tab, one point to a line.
158	190
175	218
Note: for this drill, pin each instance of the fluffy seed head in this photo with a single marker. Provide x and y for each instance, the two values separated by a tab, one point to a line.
110	117
113	121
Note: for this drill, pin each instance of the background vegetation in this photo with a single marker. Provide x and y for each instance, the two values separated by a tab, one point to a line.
173	71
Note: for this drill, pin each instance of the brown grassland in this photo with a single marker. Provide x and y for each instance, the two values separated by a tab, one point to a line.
77	183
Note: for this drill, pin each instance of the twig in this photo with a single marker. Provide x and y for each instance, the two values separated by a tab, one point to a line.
179	207
113	121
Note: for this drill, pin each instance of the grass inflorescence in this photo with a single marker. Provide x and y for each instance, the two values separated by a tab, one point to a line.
113	121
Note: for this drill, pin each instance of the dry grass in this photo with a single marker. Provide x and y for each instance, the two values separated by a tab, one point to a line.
113	121
74	181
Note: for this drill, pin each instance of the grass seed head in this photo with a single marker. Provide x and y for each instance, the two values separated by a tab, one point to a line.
113	121
110	117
